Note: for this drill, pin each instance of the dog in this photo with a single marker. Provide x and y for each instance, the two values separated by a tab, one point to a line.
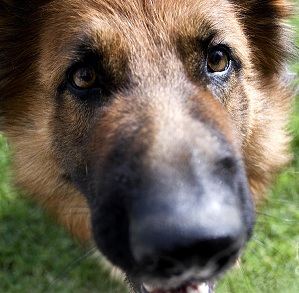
149	127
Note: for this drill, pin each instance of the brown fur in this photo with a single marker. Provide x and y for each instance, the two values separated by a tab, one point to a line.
37	42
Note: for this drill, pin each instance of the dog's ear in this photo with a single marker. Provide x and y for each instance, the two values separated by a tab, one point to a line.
26	5
4	6
268	10
19	20
265	24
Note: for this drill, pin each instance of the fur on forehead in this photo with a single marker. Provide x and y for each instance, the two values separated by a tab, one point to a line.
142	26
191	17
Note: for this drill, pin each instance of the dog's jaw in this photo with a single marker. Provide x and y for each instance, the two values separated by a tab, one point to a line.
206	287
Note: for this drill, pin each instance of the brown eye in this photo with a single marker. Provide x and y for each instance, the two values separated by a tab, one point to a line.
218	60
84	77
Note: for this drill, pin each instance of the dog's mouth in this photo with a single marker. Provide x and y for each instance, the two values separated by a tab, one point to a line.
206	287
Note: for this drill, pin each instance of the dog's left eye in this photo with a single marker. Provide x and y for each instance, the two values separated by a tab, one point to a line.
83	77
218	60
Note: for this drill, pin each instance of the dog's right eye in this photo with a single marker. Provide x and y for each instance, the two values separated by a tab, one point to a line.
83	77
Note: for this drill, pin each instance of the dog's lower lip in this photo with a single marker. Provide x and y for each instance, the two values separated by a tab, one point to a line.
207	287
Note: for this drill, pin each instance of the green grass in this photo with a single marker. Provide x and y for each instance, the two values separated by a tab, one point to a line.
37	255
271	260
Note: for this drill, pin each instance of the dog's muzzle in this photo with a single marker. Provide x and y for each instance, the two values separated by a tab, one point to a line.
173	214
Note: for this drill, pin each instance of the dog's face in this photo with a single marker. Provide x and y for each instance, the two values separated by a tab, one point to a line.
157	116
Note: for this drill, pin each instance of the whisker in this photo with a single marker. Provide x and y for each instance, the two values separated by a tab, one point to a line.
286	220
70	266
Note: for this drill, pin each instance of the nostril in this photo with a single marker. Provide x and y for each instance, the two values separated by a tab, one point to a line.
222	260
165	265
150	263
220	249
170	267
227	164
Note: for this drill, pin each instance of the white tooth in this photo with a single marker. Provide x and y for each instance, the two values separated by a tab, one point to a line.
203	288
148	288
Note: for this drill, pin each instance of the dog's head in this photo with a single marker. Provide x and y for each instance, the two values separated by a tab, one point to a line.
165	118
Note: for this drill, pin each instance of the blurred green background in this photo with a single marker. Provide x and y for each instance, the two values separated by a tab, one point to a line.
37	255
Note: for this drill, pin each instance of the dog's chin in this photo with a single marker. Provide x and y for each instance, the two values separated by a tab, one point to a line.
206	287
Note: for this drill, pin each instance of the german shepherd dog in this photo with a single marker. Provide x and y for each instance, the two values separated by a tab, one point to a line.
151	127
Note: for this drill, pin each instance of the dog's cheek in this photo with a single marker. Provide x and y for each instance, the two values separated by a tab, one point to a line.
69	126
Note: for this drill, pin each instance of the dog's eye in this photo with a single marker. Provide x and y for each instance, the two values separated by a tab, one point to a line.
83	77
218	60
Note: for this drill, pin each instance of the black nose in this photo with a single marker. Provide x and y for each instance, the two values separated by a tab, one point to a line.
196	223
171	242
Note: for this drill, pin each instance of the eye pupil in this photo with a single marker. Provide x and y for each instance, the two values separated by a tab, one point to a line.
84	77
218	60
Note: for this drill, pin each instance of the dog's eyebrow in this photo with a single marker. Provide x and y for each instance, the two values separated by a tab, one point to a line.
97	45
83	51
82	47
100	41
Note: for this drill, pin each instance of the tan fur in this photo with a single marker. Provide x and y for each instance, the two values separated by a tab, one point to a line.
255	122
